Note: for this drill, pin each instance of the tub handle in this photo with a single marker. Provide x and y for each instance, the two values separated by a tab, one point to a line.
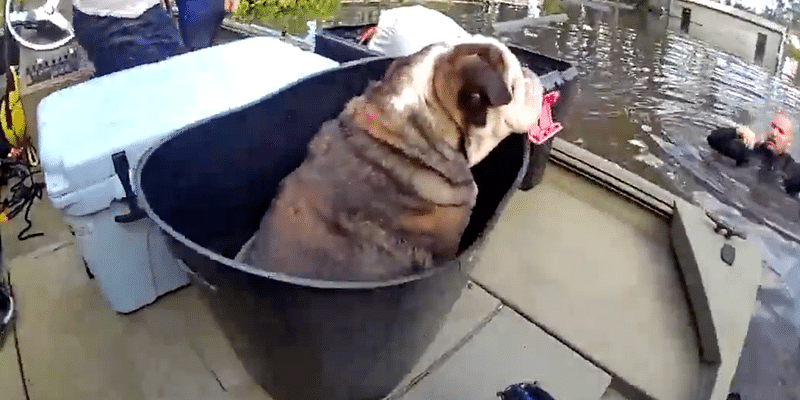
182	265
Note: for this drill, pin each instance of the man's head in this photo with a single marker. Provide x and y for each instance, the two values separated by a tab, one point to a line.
779	135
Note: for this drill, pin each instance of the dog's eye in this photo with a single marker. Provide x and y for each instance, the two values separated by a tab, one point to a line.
475	99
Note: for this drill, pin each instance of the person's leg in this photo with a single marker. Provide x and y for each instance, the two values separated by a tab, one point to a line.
87	34
199	21
114	44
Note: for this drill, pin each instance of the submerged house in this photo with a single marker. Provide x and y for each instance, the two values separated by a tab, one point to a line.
751	37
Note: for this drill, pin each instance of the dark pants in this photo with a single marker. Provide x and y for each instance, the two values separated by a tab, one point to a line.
114	44
199	21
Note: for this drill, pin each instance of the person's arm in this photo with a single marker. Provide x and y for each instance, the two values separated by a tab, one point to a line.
792	180
728	142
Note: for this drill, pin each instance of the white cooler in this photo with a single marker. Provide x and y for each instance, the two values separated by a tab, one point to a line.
90	132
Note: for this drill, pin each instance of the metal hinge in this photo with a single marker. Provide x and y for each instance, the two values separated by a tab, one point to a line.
722	227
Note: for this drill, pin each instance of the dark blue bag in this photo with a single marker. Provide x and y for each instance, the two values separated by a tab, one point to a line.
524	391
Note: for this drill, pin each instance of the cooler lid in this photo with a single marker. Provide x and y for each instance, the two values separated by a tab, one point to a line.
80	127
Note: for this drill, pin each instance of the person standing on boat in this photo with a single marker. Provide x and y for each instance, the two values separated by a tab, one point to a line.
742	145
199	20
121	34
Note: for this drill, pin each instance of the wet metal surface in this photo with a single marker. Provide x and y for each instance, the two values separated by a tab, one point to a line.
647	100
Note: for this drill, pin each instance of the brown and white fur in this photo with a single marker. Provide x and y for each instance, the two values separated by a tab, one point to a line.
386	188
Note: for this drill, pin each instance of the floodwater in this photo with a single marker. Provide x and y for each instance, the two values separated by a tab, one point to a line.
648	98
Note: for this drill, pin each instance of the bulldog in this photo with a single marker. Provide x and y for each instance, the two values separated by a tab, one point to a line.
386	188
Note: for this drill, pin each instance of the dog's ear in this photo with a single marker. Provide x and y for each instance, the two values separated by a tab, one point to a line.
480	77
482	87
482	67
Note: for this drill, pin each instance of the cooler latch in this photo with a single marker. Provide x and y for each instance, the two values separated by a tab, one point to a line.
122	169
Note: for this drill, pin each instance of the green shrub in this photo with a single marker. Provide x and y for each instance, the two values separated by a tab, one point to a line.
793	52
291	15
552	7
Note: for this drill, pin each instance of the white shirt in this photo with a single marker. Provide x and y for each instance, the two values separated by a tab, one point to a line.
405	30
115	8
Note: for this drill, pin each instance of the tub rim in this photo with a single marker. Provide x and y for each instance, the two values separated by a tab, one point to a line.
295	280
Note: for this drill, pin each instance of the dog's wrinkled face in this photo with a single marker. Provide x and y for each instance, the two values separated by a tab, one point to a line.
483	86
480	89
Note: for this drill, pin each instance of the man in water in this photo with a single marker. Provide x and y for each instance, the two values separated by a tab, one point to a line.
742	145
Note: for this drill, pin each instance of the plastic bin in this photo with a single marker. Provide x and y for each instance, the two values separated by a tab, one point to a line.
341	44
93	134
302	338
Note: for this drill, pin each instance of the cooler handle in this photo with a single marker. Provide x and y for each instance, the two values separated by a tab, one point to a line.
122	169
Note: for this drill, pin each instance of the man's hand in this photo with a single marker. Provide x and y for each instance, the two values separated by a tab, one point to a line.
748	137
231	5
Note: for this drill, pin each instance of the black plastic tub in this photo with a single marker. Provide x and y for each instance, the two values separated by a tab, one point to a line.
341	44
6	309
6	302
208	186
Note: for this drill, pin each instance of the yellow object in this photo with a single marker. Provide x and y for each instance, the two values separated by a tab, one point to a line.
12	119
3	218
